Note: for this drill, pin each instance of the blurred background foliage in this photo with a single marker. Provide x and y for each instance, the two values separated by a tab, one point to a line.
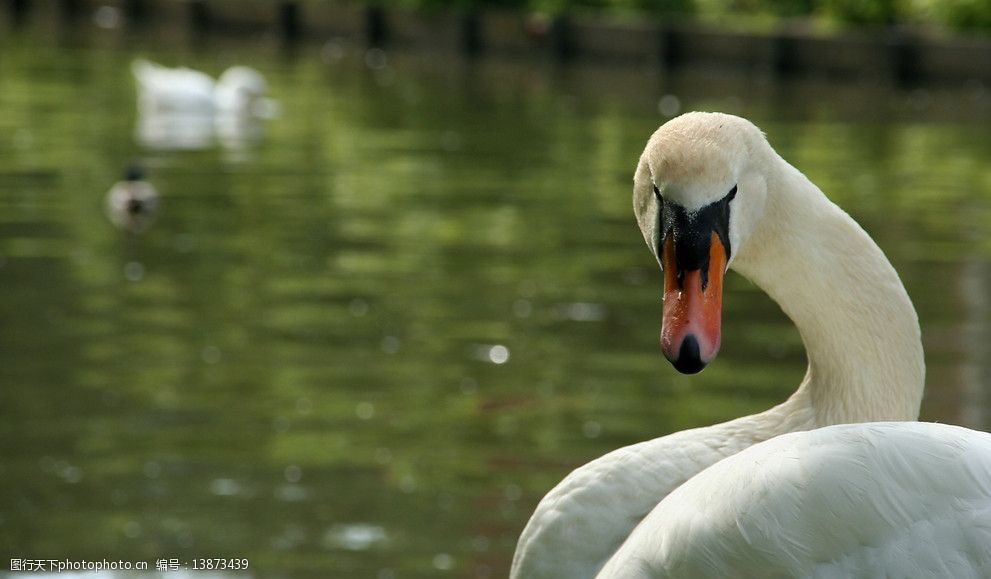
957	15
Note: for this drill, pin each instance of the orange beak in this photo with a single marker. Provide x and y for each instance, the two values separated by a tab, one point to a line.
692	309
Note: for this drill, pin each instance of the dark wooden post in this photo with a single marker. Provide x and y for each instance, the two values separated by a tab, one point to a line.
471	30
19	11
289	21
136	11
199	15
904	55
783	61
376	27
69	9
562	37
670	40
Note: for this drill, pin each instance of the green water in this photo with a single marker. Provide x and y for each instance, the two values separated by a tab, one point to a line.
297	363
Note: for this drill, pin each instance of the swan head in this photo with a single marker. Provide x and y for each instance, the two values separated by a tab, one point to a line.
699	190
134	172
242	90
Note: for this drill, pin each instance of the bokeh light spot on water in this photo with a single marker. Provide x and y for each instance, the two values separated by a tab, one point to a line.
498	354
304	406
293	473
291	493
376	59
134	271
407	483
132	529
71	474
512	492
358	307
355	536
332	51
152	469
383	456
480	543
211	354
225	487
635	276
669	105
390	344
365	410
290	537
443	562
107	17
582	312
522	308
591	429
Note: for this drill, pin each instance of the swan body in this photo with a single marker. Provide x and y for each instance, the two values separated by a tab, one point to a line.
710	193
132	203
884	499
173	90
239	90
182	108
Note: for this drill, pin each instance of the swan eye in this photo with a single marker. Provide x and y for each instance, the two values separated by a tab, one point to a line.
729	196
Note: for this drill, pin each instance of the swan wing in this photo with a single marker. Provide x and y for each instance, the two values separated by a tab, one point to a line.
175	90
580	523
897	499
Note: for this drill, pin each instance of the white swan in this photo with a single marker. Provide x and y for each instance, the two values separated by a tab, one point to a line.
239	90
709	191
182	108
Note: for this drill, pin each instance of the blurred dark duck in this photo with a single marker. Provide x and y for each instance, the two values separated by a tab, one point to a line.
132	203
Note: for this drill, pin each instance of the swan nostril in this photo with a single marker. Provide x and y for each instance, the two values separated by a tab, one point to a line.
689	360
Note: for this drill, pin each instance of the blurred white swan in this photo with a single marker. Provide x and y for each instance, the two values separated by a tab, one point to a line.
182	108
826	484
132	203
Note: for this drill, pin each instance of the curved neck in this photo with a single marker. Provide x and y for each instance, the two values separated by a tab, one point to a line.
860	330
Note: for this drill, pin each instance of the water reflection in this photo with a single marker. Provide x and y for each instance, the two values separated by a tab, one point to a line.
370	350
174	131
